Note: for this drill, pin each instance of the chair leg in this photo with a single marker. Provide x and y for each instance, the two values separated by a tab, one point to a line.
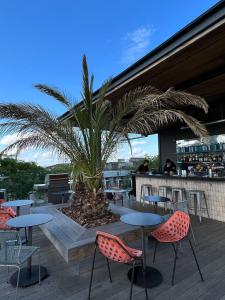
156	245
39	267
92	271
144	279
192	233
17	283
7	274
206	205
199	270
175	261
108	266
132	281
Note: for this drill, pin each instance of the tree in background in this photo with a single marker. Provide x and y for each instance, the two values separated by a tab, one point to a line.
96	127
153	161
21	177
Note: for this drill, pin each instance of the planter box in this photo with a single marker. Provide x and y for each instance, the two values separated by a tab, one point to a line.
75	242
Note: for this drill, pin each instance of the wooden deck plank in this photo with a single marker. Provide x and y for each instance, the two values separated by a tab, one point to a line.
69	281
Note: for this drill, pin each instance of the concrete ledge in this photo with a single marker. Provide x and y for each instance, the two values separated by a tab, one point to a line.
75	242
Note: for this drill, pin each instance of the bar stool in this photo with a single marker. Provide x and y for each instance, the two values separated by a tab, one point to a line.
200	197
181	202
165	191
179	194
146	190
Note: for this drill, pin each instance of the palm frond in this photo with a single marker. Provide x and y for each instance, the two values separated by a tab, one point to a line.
54	92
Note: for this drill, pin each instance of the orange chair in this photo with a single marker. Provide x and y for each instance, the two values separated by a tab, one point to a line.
115	250
174	231
4	217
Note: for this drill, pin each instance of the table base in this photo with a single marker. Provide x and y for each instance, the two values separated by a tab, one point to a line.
26	279
153	276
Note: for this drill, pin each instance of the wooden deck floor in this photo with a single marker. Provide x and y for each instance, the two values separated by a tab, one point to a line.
70	281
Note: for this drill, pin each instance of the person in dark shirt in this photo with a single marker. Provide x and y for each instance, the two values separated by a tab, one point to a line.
170	167
143	168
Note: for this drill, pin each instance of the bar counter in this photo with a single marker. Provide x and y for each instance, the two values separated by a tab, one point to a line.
214	189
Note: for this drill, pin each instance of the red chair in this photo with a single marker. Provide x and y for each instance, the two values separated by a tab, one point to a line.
115	250
4	217
174	231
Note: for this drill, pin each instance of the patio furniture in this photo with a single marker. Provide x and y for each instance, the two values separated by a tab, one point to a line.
4	217
178	195
146	190
3	194
115	191
174	231
63	194
113	248
17	204
199	197
29	275
165	191
155	199
14	255
145	221
57	183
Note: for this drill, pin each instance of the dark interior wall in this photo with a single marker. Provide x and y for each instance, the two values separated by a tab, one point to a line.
167	139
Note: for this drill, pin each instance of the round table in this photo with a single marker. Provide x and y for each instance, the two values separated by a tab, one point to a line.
156	199
119	191
144	220
29	275
17	204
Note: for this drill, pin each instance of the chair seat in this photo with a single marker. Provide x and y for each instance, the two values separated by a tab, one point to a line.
134	252
17	255
164	236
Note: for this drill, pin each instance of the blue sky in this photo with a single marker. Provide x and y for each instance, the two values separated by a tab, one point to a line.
43	41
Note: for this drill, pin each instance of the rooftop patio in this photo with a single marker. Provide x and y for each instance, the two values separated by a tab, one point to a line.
70	281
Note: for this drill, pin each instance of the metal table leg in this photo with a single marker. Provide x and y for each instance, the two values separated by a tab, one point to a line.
153	276
29	275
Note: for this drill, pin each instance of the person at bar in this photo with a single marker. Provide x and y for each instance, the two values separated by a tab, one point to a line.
143	168
169	168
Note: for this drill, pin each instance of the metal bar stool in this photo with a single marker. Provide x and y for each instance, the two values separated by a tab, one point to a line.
180	202
165	191
146	190
199	197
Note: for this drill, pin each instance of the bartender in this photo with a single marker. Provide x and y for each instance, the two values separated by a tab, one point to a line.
170	167
143	168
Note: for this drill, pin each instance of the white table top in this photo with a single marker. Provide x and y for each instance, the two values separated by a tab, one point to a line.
29	220
17	203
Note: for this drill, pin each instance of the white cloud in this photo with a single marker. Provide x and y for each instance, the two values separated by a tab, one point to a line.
138	143
136	44
8	139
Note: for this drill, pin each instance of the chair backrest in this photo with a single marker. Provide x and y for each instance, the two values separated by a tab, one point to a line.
4	217
9	254
177	224
113	247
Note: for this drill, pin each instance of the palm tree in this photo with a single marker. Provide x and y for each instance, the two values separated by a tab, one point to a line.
96	128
